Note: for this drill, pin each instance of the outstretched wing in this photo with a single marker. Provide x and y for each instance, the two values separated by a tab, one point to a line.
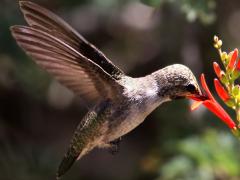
68	65
41	18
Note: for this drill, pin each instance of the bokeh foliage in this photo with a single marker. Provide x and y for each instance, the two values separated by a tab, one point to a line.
203	10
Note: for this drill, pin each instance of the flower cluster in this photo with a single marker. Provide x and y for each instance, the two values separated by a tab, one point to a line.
213	105
226	88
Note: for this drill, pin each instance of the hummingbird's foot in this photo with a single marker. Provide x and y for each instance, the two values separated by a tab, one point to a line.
115	146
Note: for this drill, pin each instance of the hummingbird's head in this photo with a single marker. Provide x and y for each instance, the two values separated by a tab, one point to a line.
177	81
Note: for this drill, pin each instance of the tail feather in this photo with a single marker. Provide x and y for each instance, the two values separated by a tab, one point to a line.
66	164
85	137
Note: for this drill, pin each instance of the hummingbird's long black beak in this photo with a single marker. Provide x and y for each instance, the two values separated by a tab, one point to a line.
196	94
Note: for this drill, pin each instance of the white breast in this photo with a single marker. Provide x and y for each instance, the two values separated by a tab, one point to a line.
137	115
137	112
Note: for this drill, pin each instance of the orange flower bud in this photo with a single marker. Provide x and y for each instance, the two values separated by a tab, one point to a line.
217	70
233	59
222	93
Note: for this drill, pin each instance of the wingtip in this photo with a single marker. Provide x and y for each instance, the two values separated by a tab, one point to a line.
27	4
22	3
13	29
16	28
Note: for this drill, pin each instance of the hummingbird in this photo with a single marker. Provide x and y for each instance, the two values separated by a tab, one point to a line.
119	102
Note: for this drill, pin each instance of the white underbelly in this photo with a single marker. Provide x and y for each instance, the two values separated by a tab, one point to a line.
134	118
131	122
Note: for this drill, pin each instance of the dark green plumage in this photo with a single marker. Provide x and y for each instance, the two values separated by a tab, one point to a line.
85	134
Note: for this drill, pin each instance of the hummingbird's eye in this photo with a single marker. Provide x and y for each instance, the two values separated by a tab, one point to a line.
191	88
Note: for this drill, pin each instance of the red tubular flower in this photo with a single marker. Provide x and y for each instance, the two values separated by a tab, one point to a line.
222	93
233	59
217	70
213	105
205	87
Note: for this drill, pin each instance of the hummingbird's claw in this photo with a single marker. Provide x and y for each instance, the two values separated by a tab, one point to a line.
115	146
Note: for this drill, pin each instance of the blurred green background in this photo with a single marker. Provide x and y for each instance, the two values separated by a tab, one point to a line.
38	115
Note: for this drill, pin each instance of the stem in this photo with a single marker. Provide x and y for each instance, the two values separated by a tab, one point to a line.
236	131
220	51
238	114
